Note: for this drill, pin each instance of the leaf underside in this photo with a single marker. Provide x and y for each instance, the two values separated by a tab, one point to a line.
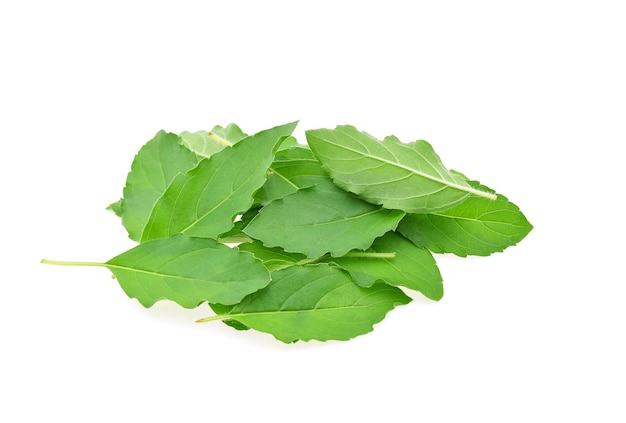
207	143
408	177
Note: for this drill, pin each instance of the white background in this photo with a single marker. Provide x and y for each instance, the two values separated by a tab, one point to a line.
528	97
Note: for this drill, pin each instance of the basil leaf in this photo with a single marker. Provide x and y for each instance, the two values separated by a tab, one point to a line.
407	265
205	200
408	177
293	169
207	143
188	271
315	302
156	165
477	226
272	258
321	219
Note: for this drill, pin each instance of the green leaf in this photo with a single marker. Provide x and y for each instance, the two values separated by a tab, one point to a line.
235	235
158	162
316	302
408	177
411	266
232	133
476	227
188	271
116	208
204	201
207	143
288	144
321	219
272	258
293	169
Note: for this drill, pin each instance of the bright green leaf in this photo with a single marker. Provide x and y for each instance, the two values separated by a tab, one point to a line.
316	302
204	201
235	235
232	133
293	169
321	219
477	226
407	177
410	266
272	258
116	208
288	144
207	143
329	237
186	270
158	162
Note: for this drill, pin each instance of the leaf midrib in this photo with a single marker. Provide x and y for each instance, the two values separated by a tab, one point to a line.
414	171
152	273
474	219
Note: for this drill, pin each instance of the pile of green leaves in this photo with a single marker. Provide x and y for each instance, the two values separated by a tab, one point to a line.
302	242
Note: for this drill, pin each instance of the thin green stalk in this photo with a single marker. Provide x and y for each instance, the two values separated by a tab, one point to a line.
365	254
72	263
213	318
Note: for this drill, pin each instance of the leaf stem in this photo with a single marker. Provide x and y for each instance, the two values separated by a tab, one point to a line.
365	254
212	318
306	261
72	263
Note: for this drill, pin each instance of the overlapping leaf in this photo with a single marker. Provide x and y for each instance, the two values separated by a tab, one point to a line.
408	177
204	201
321	219
315	302
188	271
410	266
207	143
273	258
477	226
158	162
325	236
294	168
